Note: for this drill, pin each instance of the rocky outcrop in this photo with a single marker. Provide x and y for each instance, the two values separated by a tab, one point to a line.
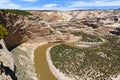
33	29
24	61
26	28
7	69
116	31
91	24
52	16
21	29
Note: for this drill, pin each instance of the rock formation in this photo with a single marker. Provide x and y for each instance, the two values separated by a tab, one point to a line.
21	29
37	27
7	69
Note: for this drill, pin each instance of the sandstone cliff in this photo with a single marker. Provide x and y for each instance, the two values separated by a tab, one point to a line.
21	29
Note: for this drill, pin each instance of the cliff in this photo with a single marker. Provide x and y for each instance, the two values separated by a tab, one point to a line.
21	28
7	69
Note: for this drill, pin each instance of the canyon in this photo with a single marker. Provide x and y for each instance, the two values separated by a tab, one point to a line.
36	28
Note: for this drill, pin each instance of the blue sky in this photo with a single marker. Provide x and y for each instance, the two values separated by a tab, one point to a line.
59	4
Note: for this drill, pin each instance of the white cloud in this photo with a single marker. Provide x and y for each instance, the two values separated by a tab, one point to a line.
95	3
31	8
29	0
44	7
81	4
12	6
7	4
4	1
49	7
74	4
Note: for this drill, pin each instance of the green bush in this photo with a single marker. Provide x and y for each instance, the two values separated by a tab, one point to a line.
3	32
99	63
87	37
90	38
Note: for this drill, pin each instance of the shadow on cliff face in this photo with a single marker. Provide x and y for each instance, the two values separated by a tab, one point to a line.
0	47
11	48
116	31
7	71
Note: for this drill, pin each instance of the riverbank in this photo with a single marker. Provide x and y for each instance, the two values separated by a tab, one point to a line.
24	60
29	60
96	56
91	44
41	65
59	75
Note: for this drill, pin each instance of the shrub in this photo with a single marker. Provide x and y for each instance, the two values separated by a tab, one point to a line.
98	63
3	32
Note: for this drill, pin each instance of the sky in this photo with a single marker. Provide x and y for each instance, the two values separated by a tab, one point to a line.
59	4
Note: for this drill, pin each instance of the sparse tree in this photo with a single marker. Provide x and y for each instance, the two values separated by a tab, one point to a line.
3	32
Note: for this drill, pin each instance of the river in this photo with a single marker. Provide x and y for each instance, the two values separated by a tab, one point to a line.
41	65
